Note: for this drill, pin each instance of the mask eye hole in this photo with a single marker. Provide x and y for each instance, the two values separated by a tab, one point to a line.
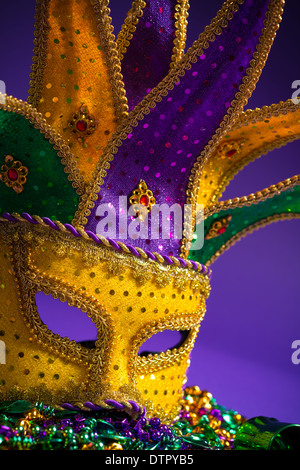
66	321
163	341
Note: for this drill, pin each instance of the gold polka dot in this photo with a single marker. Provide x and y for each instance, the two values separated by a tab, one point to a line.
47	115
55	99
49	85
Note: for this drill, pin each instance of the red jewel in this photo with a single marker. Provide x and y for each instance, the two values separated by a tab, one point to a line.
231	152
144	200
81	126
221	230
12	174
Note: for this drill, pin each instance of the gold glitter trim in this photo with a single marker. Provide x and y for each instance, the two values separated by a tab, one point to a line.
181	24
105	28
275	9
154	362
129	27
63	151
251	117
253	198
41	30
243	233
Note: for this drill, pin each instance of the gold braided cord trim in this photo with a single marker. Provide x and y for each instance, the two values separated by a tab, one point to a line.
152	256
73	396
105	28
251	158
129	27
254	198
260	224
252	117
273	18
143	108
153	362
41	30
136	12
63	150
107	38
181	24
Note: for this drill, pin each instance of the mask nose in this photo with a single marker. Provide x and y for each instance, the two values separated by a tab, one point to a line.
116	380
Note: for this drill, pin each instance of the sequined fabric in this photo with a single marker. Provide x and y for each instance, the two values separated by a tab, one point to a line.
168	137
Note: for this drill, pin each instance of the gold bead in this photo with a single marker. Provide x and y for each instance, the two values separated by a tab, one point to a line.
114	446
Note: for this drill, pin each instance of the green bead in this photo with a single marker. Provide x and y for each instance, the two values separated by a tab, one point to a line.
187	429
68	431
84	437
91	423
51	429
35	429
177	444
98	445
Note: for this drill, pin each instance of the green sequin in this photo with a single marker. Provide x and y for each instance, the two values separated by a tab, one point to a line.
288	202
47	191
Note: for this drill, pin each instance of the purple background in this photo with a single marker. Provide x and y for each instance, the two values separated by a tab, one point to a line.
243	351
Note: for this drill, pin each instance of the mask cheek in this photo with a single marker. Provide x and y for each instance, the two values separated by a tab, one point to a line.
161	374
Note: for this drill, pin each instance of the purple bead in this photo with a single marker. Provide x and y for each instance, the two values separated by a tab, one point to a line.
128	433
144	436
217	414
154	422
164	428
6	431
142	422
155	435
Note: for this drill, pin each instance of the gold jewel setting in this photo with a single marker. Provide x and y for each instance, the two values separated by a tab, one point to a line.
13	174
142	196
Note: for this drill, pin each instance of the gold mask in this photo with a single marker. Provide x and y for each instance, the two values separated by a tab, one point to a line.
57	155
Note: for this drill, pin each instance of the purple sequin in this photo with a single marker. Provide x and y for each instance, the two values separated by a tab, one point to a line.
182	123
147	59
